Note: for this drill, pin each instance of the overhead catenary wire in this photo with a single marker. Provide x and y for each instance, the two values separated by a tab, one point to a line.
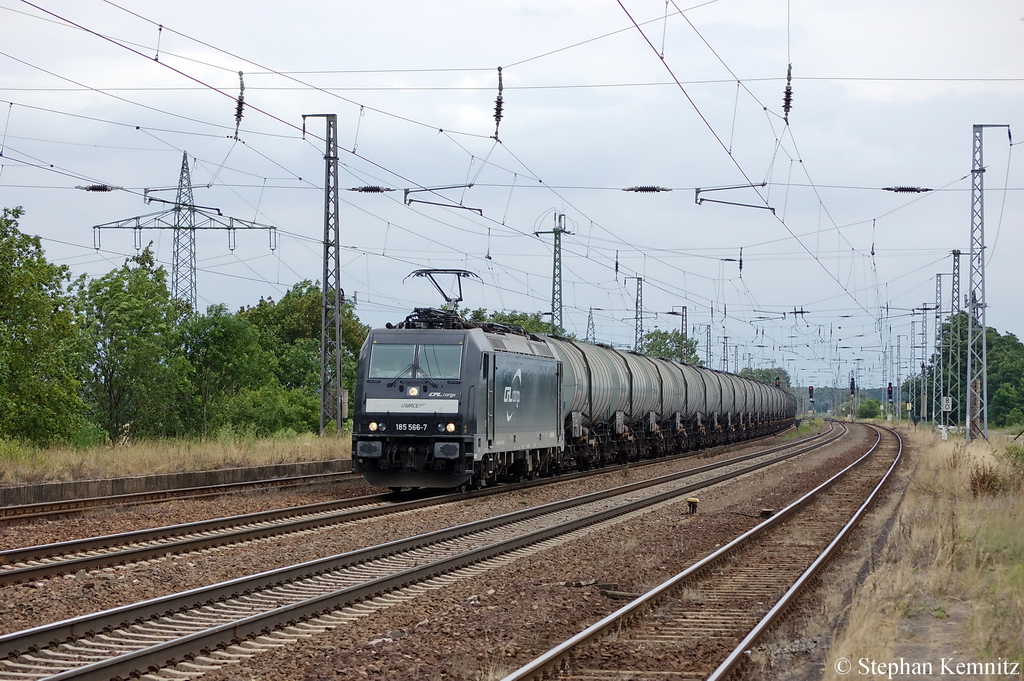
498	232
732	157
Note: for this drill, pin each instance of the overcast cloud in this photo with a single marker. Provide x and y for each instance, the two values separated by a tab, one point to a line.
884	94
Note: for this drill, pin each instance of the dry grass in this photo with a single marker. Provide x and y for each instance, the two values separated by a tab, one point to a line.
957	545
21	464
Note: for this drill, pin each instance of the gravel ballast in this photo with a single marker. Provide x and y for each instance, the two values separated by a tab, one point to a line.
474	629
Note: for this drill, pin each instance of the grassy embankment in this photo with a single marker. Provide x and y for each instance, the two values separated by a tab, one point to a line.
21	464
951	575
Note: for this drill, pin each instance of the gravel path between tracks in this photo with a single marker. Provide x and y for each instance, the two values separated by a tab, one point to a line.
474	630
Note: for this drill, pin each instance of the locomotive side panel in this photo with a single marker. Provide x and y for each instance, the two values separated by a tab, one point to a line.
527	411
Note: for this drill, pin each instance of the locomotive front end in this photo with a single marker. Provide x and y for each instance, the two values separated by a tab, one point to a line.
410	428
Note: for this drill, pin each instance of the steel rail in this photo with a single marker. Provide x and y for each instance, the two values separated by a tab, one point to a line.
69	630
43	551
550	660
316	515
730	662
16	512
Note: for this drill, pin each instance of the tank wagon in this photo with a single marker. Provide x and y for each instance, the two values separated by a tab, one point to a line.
440	402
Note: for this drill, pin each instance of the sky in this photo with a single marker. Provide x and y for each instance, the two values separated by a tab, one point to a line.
794	256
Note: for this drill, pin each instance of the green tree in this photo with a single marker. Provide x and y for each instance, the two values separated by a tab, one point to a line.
533	322
225	356
290	329
768	376
869	409
272	408
39	399
134	370
672	345
1005	372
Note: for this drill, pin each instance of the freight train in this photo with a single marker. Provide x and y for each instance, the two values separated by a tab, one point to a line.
441	402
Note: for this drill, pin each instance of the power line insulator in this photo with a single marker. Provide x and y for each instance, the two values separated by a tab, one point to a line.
787	96
498	105
240	103
647	189
375	189
908	190
97	188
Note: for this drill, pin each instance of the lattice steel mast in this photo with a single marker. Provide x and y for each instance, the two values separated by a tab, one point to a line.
638	344
898	378
955	342
977	347
185	218
556	274
938	415
333	400
183	265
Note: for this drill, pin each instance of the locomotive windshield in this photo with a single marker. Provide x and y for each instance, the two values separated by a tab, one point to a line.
439	361
415	361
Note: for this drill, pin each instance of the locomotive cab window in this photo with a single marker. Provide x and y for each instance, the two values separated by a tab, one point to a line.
393	360
439	361
390	361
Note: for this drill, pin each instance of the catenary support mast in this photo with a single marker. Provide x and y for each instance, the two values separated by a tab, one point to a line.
556	274
333	400
977	347
956	337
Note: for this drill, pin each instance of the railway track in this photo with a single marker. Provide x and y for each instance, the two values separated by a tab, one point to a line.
49	509
211	626
698	624
33	563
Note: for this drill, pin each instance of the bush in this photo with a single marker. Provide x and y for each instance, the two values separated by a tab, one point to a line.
869	409
88	435
270	409
1015	455
985	479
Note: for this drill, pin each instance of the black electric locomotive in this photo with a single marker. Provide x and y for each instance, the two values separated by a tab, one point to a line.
440	402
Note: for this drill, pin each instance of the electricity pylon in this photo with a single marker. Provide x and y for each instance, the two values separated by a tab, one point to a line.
185	218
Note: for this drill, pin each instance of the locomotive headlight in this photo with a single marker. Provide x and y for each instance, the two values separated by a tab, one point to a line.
413	392
373	426
450	428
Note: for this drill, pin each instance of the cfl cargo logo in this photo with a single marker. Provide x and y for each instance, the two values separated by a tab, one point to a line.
512	395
